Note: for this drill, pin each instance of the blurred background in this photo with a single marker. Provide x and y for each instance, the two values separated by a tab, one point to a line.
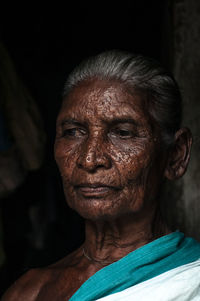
38	48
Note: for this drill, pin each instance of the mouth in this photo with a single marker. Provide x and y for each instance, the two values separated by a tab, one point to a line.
95	190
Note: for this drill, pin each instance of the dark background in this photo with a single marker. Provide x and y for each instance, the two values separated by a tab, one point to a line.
45	45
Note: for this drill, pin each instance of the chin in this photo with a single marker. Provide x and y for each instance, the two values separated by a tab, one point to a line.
96	209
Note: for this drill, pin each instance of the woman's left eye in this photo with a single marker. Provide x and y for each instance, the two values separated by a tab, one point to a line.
122	133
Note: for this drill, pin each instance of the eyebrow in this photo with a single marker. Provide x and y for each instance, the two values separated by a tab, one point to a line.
112	122
71	121
123	120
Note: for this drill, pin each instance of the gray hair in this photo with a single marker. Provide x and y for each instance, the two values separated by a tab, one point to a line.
141	74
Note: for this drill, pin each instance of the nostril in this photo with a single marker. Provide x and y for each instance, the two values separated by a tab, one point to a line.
92	157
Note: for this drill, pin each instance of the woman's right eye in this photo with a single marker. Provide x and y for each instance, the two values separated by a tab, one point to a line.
73	132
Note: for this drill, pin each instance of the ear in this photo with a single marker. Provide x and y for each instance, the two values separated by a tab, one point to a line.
179	154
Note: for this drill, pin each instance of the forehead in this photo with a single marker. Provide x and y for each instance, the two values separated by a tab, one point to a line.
106	99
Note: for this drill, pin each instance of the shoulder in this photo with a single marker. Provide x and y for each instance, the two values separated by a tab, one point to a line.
43	283
27	287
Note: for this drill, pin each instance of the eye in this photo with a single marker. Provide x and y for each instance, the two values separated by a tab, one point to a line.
122	133
73	132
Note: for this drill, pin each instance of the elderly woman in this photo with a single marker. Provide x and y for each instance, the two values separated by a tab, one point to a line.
118	139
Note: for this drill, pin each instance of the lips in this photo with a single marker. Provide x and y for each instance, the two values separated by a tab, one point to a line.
95	190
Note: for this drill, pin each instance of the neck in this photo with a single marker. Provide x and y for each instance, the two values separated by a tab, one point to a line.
108	241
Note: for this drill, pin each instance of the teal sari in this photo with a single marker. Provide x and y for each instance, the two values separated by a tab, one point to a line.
159	256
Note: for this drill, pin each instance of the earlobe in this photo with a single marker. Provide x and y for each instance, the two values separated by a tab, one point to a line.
179	154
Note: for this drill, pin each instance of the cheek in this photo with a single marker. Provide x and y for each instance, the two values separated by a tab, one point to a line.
63	153
135	168
132	161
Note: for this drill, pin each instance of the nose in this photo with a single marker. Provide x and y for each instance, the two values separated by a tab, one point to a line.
93	155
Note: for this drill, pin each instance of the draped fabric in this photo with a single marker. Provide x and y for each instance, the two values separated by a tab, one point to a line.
180	284
159	256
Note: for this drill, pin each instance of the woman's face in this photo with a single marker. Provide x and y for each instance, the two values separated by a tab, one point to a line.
108	151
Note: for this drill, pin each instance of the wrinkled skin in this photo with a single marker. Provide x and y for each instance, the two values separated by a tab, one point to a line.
112	163
104	135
